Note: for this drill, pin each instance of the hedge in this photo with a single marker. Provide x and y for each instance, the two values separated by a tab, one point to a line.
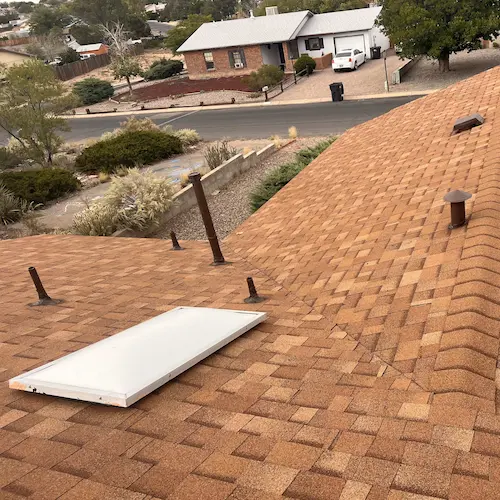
128	149
93	90
41	185
163	68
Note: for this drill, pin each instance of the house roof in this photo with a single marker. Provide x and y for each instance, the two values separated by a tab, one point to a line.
249	31
374	376
341	22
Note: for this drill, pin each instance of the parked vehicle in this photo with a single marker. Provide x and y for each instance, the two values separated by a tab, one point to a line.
348	59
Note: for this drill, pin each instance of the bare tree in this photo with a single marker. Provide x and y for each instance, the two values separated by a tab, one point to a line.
123	64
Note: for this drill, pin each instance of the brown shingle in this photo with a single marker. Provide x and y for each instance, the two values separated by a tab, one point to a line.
373	303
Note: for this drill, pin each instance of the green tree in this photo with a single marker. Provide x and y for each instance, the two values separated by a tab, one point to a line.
31	100
438	28
43	19
130	13
9	16
220	9
177	36
24	7
69	55
85	33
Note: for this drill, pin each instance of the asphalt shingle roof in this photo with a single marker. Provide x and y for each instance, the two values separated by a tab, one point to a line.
341	22
250	31
374	376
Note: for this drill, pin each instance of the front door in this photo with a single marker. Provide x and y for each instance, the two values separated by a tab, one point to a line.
282	56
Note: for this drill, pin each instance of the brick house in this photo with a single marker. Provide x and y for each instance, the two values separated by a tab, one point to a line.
240	46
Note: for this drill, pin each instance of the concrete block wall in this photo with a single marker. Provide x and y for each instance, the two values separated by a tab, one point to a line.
214	180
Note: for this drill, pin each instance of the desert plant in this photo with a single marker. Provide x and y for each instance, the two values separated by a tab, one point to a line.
266	76
187	136
279	177
99	219
184	178
304	62
496	45
138	125
103	177
9	158
69	55
93	90
216	154
11	207
31	221
136	201
40	185
128	149
163	68
292	132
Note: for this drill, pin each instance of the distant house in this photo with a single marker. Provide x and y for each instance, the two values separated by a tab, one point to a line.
91	48
243	45
154	7
158	28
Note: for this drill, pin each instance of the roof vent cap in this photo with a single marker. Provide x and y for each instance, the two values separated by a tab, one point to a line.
467	122
457	201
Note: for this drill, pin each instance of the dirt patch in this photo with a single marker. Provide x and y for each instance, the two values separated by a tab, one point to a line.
187	86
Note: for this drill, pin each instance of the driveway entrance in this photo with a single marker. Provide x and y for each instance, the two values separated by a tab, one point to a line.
368	79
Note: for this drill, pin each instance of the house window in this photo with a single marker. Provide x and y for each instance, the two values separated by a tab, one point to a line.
237	59
209	60
315	43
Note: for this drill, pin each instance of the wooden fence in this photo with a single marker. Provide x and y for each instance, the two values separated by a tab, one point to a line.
17	41
74	69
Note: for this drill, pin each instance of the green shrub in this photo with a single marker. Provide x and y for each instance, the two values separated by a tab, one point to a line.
496	45
216	154
163	68
69	55
11	207
136	201
40	186
93	90
303	62
279	177
128	149
9	158
266	76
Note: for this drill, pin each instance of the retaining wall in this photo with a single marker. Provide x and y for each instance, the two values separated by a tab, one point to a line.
397	76
214	180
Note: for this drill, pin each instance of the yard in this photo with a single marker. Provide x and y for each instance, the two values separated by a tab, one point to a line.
425	75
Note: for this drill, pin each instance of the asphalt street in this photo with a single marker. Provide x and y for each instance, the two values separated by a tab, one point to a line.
249	122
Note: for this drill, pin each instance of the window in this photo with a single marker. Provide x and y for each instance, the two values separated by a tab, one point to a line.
209	60
315	43
237	59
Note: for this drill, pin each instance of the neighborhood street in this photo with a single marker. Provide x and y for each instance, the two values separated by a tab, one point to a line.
252	122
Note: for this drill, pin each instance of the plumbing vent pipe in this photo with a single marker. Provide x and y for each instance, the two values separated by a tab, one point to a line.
457	200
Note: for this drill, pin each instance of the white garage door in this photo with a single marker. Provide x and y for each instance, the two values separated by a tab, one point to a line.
349	42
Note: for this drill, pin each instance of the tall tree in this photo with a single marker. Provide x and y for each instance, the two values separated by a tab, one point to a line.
438	28
123	63
85	33
220	9
178	35
31	100
43	19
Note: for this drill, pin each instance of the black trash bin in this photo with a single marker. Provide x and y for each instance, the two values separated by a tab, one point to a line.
375	52
337	90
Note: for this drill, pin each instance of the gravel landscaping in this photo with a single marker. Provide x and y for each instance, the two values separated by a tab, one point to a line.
230	206
425	74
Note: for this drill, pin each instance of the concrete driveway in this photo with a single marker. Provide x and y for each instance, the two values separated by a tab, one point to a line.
368	79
